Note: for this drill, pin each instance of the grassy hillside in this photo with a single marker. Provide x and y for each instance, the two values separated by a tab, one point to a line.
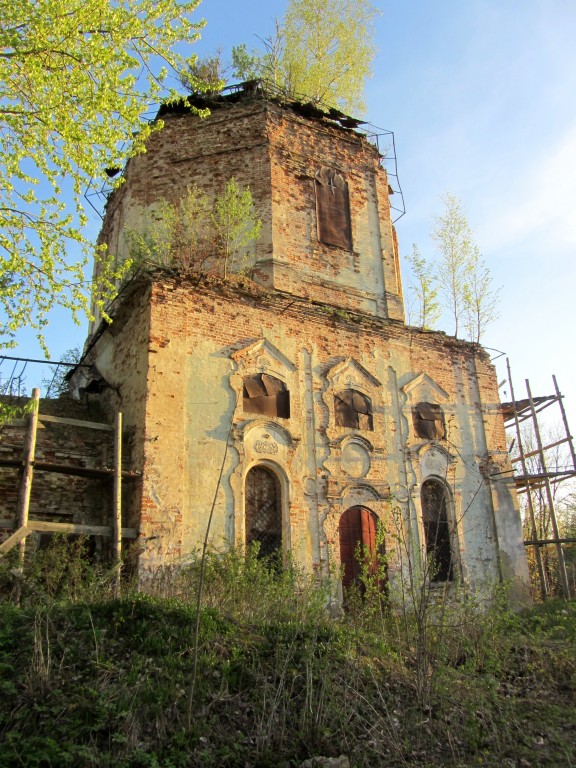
92	680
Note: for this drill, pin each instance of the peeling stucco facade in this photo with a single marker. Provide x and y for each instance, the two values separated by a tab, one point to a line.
321	320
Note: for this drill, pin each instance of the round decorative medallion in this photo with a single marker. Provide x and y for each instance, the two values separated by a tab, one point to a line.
355	460
309	486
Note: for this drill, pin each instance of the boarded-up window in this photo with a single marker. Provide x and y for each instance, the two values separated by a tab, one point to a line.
266	395
437	531
357	533
428	421
263	511
353	409
333	209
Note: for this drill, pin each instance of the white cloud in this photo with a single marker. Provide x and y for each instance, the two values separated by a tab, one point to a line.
536	206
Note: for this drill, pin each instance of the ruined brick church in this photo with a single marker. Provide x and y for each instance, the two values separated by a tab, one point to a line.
294	401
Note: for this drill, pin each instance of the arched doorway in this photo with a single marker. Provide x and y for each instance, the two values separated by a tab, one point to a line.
437	530
263	510
357	531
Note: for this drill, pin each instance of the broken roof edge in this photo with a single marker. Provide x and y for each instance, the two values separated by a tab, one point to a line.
243	287
262	90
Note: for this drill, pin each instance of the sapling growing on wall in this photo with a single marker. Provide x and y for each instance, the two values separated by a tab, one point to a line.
457	281
320	51
196	234
424	289
234	222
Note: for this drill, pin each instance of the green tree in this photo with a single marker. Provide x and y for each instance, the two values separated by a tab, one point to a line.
455	249
234	221
75	80
322	51
480	299
180	234
206	73
328	50
424	289
195	234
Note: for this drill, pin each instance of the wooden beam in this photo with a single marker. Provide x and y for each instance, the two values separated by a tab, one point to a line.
16	538
28	463
75	422
117	513
82	530
68	469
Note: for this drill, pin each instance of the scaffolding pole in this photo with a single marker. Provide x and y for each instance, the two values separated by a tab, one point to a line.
28	470
542	479
563	576
539	562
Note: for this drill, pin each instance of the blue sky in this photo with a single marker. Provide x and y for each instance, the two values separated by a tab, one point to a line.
481	96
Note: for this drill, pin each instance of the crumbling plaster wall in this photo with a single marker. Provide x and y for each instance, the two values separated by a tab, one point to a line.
277	153
203	341
366	278
120	353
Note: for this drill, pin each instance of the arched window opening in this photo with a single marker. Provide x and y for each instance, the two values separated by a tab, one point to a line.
360	550
437	531
262	498
266	395
428	420
353	409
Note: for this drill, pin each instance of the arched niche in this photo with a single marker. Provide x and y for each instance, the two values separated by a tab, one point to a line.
439	536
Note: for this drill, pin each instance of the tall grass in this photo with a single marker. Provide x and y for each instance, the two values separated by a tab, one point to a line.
88	679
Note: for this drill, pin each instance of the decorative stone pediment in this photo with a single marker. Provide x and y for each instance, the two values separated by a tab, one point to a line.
422	388
433	459
264	441
262	430
262	356
349	374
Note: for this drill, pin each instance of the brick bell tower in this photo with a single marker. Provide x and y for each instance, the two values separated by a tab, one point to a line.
293	407
318	187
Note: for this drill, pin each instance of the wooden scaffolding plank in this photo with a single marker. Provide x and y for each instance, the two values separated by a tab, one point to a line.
16	538
48	526
75	422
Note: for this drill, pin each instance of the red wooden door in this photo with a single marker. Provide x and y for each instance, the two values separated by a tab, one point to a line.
357	529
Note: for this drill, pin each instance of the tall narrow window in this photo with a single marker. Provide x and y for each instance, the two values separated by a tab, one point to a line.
266	395
333	209
437	531
357	533
428	420
263	511
353	409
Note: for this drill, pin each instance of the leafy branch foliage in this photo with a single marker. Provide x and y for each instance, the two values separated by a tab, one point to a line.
199	235
75	82
424	290
321	51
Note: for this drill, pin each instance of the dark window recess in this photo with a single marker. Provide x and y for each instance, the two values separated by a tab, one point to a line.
266	395
437	531
358	553
333	209
429	421
353	409
263	511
